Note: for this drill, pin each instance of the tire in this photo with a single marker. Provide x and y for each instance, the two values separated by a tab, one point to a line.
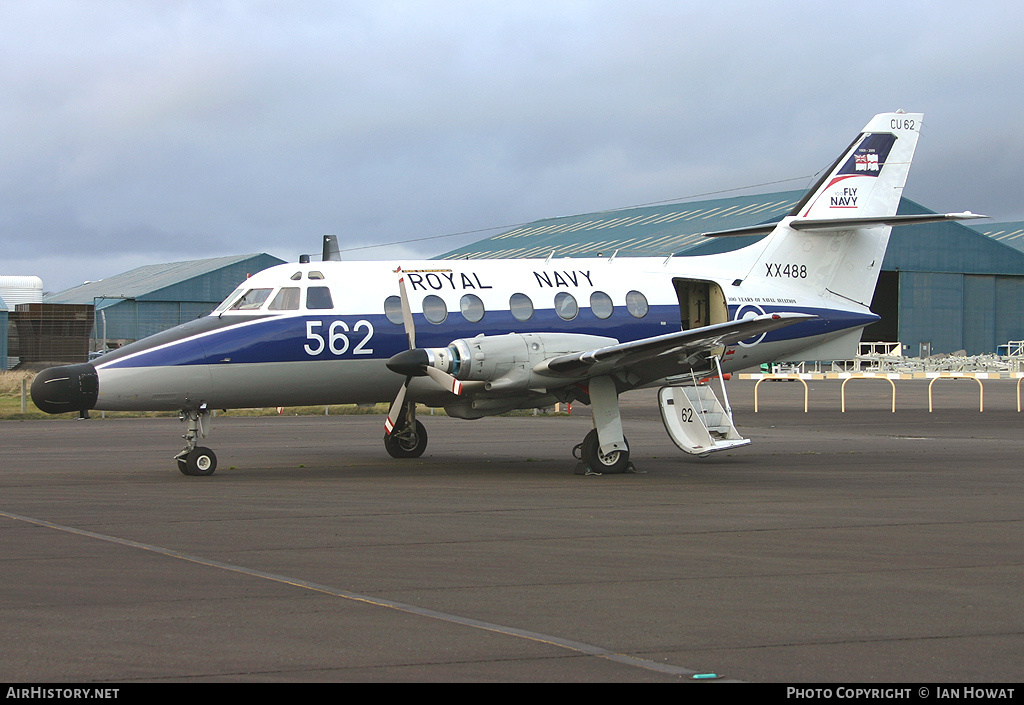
201	462
407	444
611	464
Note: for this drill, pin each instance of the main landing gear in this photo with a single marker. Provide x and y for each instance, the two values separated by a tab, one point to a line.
604	450
195	459
594	462
409	437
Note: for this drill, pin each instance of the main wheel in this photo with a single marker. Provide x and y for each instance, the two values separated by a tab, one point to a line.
613	463
409	443
200	462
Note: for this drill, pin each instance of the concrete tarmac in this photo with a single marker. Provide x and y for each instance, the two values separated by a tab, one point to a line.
857	547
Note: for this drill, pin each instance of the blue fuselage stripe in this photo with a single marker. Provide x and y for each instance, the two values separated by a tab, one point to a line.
329	336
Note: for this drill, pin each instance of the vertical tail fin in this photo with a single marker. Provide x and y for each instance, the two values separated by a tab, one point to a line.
834	240
867	180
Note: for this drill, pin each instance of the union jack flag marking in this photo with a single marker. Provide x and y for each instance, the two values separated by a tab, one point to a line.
867	162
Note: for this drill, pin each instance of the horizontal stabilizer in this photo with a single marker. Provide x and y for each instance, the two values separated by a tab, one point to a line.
849	223
763	229
846	223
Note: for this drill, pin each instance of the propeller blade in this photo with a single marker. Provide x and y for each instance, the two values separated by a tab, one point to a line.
396	408
410	328
410	331
445	380
414	361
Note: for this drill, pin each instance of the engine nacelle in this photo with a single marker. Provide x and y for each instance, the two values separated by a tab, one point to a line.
506	362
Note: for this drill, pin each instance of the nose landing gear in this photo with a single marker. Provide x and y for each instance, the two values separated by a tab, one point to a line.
409	437
195	459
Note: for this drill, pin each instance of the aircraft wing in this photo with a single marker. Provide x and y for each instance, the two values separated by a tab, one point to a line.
663	355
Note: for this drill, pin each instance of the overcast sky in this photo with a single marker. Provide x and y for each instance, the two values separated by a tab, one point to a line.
138	132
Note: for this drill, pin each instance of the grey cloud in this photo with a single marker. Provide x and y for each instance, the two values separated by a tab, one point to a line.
193	129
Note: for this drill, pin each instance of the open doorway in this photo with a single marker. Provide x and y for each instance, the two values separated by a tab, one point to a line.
701	303
886	303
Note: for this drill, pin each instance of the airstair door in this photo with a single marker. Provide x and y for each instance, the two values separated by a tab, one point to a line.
696	420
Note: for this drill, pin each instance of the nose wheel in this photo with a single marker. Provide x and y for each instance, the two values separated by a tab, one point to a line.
195	459
199	461
410	442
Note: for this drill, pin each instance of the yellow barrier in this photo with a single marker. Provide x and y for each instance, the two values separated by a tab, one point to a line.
842	390
963	375
800	378
888	376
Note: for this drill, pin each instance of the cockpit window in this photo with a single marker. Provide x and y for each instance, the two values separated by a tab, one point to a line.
251	300
318	297
315	275
229	300
286	300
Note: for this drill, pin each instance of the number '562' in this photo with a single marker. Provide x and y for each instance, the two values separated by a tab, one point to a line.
336	339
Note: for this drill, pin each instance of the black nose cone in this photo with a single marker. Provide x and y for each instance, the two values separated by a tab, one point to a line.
412	363
57	390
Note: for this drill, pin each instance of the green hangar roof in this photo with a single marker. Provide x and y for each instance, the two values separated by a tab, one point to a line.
1011	234
648	231
677	229
208	280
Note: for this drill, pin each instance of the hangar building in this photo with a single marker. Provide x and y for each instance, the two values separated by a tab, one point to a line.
15	291
156	297
943	287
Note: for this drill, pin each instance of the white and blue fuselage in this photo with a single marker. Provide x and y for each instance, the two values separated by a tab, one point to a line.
253	354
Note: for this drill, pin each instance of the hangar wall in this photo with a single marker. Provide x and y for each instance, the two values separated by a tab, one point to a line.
135	319
153	298
949	312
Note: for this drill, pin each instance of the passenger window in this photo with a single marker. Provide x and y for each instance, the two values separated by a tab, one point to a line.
472	308
521	306
636	304
393	309
601	304
566	306
435	309
318	297
252	300
286	300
